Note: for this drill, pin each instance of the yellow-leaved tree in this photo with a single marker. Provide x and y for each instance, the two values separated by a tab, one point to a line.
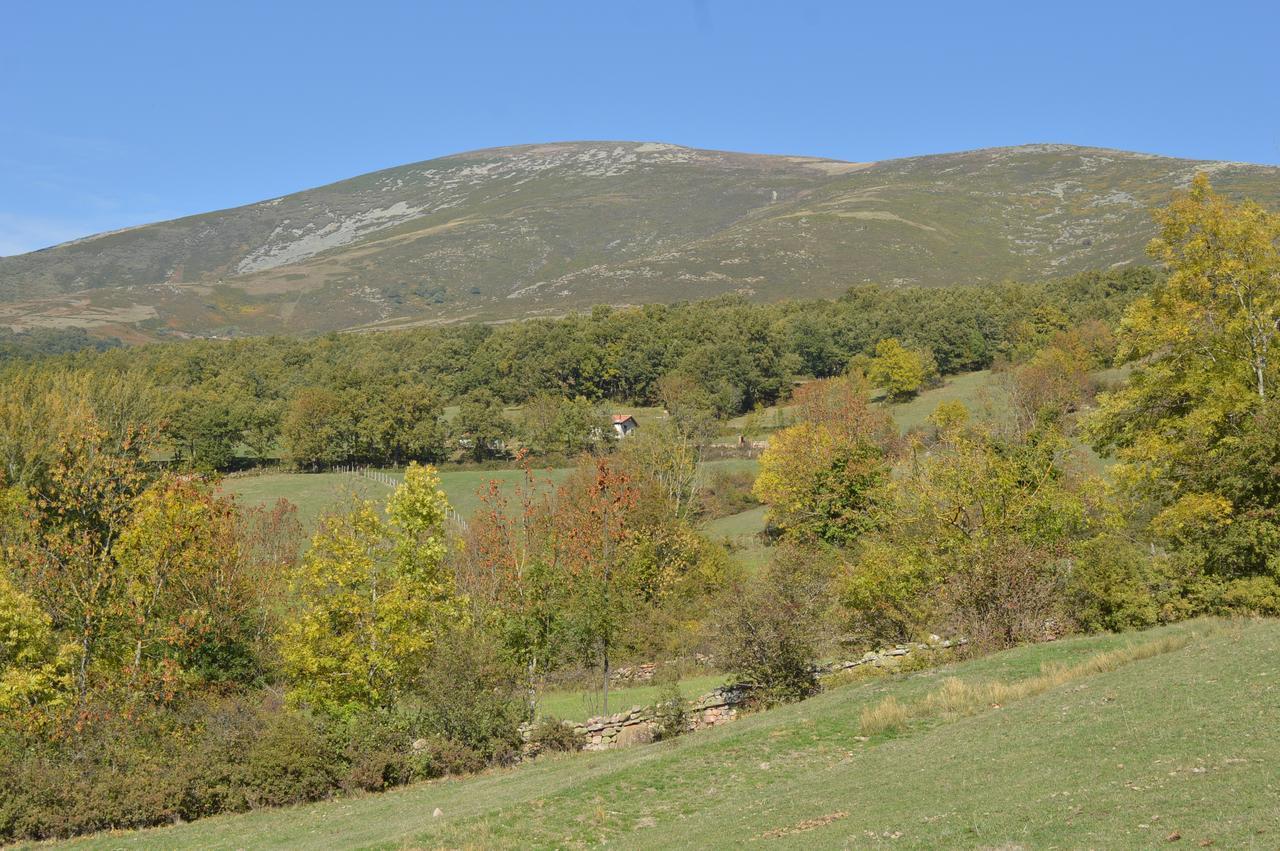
822	477
1197	427
373	597
35	672
901	371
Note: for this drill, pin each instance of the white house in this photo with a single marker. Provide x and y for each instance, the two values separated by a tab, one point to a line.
624	424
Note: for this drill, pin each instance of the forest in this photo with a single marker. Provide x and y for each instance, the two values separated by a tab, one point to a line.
155	629
380	398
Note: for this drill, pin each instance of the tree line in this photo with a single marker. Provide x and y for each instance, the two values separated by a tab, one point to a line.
383	398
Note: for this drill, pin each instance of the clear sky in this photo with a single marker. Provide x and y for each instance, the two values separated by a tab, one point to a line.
119	113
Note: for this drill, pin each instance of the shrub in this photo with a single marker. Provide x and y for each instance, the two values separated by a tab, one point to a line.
1259	595
671	711
1012	592
376	752
1111	586
290	762
726	493
436	756
552	734
770	635
472	694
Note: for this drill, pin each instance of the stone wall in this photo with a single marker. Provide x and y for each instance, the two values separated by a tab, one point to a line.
889	657
641	724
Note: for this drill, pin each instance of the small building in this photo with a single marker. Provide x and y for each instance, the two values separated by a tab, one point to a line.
624	425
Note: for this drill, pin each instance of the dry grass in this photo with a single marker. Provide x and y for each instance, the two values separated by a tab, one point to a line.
957	697
887	716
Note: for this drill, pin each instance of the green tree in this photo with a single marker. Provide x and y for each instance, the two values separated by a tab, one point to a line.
317	429
405	423
481	427
661	453
204	428
552	424
372	598
190	600
35	673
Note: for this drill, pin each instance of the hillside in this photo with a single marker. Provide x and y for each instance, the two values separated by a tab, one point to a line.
1177	747
543	229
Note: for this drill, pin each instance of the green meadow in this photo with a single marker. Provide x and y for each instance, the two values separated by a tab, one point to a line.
1180	747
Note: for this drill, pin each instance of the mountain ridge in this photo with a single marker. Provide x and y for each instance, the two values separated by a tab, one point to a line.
548	228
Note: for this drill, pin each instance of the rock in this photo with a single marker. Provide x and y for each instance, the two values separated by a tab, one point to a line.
437	813
636	734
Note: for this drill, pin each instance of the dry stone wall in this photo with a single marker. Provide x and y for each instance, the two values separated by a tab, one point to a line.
642	724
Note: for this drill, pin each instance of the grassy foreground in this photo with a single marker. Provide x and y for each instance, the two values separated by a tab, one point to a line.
1179	747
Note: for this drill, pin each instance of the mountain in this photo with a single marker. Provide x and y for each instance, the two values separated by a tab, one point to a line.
545	229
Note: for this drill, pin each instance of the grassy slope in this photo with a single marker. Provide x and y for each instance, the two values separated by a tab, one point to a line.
980	392
1183	742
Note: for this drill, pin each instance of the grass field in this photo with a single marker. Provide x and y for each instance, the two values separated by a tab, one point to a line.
316	493
1179	747
741	534
580	704
981	392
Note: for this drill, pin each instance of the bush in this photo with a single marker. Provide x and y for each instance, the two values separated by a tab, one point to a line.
770	635
1111	586
728	492
436	756
671	712
552	734
214	754
376	752
1255	595
472	694
292	761
1011	593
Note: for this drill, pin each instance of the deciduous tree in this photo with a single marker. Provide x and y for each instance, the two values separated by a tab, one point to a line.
1194	429
372	598
822	477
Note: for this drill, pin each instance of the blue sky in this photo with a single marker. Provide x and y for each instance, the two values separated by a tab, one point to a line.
120	113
